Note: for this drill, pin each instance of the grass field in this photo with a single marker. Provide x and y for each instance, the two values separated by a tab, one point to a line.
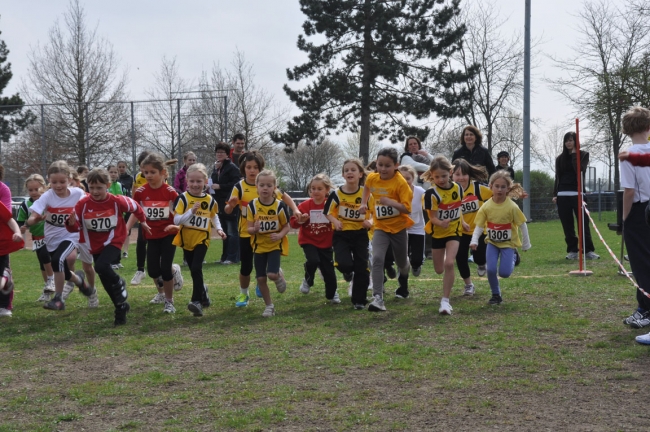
554	356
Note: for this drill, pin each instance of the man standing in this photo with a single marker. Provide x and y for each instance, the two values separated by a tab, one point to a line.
238	148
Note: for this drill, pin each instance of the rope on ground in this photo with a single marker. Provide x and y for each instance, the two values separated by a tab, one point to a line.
625	272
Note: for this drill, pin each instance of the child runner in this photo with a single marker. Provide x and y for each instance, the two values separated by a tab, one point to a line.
11	240
99	217
180	181
141	243
157	200
444	204
35	186
350	238
116	188
251	164
268	224
196	212
393	198
127	185
315	238
501	216
416	234
471	178
55	206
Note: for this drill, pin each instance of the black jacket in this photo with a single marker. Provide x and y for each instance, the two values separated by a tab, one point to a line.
566	178
127	183
479	155
226	177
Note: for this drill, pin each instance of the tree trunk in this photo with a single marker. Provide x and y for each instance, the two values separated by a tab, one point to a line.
364	136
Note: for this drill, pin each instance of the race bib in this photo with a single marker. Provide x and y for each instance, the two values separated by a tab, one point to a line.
269	224
101	221
470	204
199	222
385	212
38	243
499	232
449	211
317	217
58	216
244	209
156	210
350	213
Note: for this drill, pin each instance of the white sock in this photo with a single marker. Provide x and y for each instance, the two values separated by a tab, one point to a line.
244	291
445	300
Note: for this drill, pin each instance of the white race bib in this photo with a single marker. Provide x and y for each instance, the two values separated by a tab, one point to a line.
385	212
499	232
317	217
470	204
37	244
449	211
58	216
100	221
156	210
350	213
199	222
269	224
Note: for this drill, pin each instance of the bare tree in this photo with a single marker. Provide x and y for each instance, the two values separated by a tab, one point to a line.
350	147
301	164
444	138
79	72
499	83
600	76
549	147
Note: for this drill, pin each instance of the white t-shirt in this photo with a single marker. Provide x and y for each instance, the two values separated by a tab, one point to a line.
637	178
416	212
56	211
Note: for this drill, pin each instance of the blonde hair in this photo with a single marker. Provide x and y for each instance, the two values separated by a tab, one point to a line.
267	173
636	120
359	165
515	190
60	167
198	167
438	163
323	178
187	155
408	169
37	178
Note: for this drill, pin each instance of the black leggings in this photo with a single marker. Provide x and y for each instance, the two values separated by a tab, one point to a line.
160	257
416	249
567	208
114	286
5	299
59	258
351	255
245	256
637	242
43	257
463	254
194	259
140	249
320	258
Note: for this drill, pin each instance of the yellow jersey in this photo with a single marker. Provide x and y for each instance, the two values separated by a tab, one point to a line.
502	222
388	218
473	198
245	193
273	218
445	204
196	231
345	207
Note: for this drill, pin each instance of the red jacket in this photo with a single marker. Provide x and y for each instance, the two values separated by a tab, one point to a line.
7	245
101	222
317	230
639	159
156	207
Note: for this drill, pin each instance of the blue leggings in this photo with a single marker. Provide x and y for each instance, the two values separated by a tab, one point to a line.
505	266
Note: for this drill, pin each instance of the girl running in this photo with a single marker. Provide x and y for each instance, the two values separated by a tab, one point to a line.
116	189
393	198
99	217
501	216
251	164
141	242
55	207
315	238
443	202
11	240
471	178
416	234
35	186
196	213
350	238
157	200
268	224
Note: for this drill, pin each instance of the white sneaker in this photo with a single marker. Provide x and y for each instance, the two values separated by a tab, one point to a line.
377	304
469	290
269	311
158	299
572	256
481	270
336	299
169	307
137	278
642	339
67	290
125	254
178	277
592	256
45	297
93	299
5	312
304	287
281	283
445	308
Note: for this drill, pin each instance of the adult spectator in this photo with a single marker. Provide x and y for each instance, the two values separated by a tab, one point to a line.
503	160
125	179
415	156
180	181
565	195
238	148
224	177
472	151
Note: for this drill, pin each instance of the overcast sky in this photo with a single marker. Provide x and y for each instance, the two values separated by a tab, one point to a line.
200	33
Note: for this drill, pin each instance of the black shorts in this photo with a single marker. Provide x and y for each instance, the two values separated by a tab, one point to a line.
441	243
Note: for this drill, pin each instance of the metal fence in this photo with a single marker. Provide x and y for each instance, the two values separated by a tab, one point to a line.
101	133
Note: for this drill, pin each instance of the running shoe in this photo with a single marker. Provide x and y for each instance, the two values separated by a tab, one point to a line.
178	277
242	300
137	278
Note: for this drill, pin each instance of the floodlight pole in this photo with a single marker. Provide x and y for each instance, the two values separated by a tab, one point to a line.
527	109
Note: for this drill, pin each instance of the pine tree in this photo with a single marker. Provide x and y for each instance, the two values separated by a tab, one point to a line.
12	117
382	64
